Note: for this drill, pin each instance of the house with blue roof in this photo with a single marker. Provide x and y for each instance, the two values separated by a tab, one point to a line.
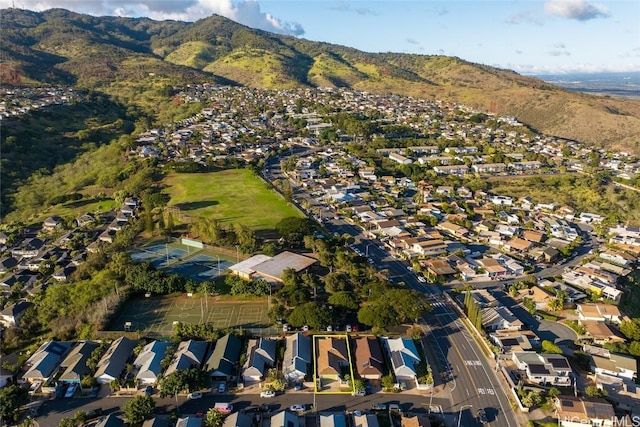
404	357
261	355
148	362
45	362
297	357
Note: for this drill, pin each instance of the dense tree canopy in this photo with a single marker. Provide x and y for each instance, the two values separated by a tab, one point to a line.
138	409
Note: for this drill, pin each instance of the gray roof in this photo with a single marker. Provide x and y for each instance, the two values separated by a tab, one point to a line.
262	355
156	422
76	361
114	360
615	362
189	354
225	355
44	362
238	419
110	421
284	419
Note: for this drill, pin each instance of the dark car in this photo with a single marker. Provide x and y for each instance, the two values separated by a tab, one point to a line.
482	416
94	413
148	391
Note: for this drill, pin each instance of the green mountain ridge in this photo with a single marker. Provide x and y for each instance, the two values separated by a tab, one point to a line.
116	55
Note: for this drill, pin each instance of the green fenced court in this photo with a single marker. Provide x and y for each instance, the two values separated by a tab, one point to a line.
157	314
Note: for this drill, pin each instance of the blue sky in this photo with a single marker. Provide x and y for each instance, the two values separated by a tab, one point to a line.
544	36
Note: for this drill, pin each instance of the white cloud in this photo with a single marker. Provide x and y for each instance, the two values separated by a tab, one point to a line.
580	10
524	18
246	12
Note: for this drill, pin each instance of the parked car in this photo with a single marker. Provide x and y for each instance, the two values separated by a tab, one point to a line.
378	406
268	393
222	387
194	395
359	393
148	391
482	416
93	413
297	408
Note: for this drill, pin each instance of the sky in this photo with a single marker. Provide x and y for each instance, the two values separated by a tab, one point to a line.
530	37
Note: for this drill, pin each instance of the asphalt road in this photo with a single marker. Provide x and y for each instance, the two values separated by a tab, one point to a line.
52	411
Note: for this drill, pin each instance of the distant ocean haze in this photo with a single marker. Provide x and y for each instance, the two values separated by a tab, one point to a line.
617	84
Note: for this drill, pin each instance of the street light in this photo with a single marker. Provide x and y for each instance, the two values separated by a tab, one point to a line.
460	413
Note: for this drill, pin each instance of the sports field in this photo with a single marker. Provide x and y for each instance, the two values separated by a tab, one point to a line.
157	314
230	196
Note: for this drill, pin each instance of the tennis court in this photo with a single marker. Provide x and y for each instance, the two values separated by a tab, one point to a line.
197	264
158	314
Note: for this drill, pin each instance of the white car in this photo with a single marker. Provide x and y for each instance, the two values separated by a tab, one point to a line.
195	395
422	279
297	408
268	393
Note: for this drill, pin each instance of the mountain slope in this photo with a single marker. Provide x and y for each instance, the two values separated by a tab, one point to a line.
111	53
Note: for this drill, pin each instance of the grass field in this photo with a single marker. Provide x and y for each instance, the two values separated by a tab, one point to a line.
230	196
157	314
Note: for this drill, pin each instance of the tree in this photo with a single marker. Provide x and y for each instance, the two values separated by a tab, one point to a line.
214	418
631	329
310	314
12	397
554	304
138	409
593	391
344	300
387	382
549	347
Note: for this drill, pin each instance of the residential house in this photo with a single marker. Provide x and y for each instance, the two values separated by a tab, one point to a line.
545	369
11	315
578	412
75	364
539	296
404	357
158	422
284	419
110	420
489	168
399	158
518	245
368	357
189	354
239	419
114	360
332	356
615	365
7	264
224	357
51	223
536	237
365	420
600	313
415	420
484	298
492	267
45	361
261	355
7	376
297	357
512	341
600	332
148	362
458	170
453	229
333	419
500	318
